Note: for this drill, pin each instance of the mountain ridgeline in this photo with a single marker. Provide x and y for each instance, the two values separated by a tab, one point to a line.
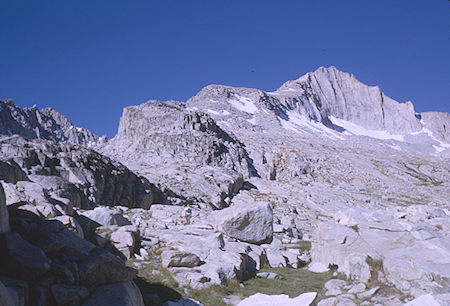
324	173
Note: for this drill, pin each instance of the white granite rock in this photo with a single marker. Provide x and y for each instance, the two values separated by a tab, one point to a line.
250	222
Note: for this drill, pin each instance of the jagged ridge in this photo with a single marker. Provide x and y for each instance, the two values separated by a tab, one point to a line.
47	124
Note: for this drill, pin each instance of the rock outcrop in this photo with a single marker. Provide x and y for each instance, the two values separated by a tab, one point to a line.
44	263
183	151
165	133
47	174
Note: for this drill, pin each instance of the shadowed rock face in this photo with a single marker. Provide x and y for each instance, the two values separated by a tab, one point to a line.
80	175
47	124
4	217
44	263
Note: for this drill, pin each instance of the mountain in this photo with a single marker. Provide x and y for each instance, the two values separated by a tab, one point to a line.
329	103
323	174
47	124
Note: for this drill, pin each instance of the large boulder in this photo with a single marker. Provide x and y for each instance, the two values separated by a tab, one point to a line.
124	238
19	257
124	294
102	267
179	259
106	216
18	289
250	222
7	296
64	294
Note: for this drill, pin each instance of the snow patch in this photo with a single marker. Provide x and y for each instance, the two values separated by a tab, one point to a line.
442	146
222	113
243	104
355	129
260	299
395	147
298	123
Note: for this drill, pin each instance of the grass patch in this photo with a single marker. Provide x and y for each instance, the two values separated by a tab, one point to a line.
355	228
292	282
303	245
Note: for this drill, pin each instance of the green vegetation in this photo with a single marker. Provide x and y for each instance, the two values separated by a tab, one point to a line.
376	270
355	228
292	282
303	245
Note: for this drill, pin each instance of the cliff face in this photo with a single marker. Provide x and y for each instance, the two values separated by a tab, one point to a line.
330	92
47	124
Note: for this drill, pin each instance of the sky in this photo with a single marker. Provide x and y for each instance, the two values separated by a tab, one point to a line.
90	59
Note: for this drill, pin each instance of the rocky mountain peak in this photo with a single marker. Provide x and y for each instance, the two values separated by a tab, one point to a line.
337	94
325	173
47	123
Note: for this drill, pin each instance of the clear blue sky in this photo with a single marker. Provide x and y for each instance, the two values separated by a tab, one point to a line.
89	59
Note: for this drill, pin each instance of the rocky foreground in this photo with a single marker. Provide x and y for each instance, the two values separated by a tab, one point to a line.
325	174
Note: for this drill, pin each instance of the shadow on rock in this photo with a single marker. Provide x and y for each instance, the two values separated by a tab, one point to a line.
156	294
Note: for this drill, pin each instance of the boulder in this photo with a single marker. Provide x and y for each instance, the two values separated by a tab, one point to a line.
268	275
186	302
18	289
71	223
22	259
123	293
52	235
7	296
340	300
102	267
249	222
276	259
106	216
65	295
125	239
179	259
334	287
